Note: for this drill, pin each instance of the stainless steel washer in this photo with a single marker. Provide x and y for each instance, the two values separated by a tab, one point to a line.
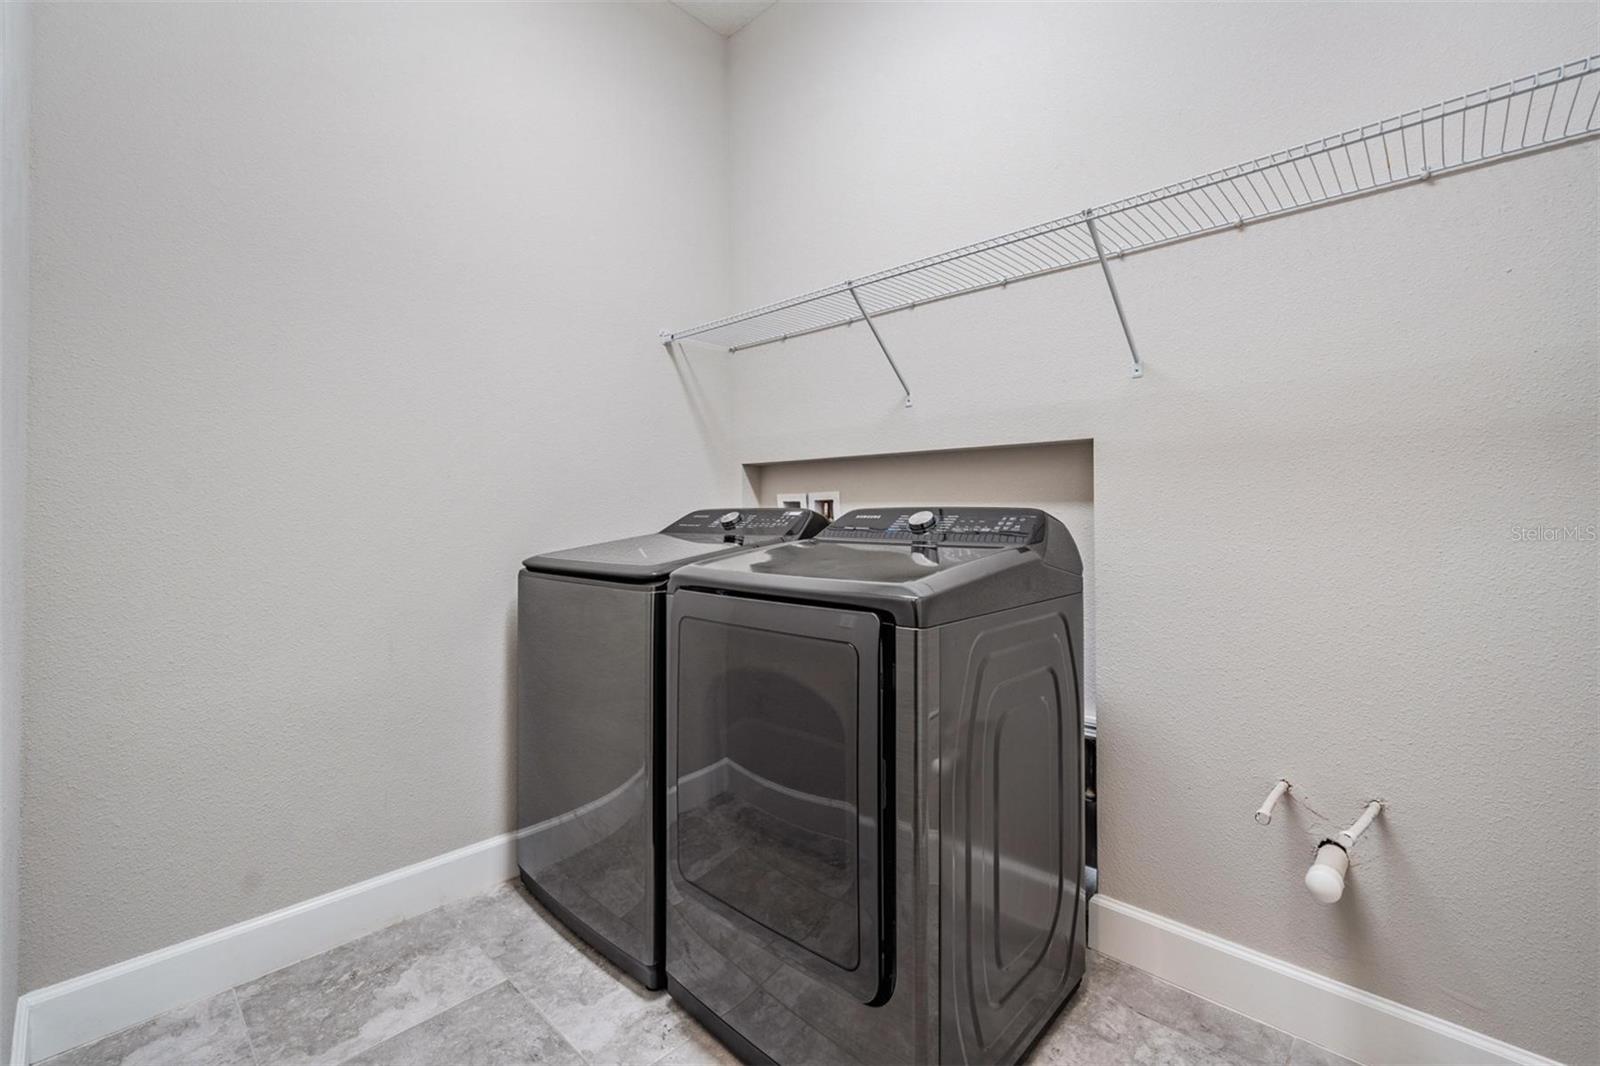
590	723
875	818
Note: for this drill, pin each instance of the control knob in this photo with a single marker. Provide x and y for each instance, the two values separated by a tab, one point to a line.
922	521
729	520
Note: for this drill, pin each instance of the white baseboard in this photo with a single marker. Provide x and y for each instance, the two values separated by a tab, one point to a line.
54	1019
1340	1017
19	1035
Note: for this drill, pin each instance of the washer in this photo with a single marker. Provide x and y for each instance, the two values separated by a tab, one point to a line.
875	818
590	664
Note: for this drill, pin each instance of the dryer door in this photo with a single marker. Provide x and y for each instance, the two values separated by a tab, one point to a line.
774	761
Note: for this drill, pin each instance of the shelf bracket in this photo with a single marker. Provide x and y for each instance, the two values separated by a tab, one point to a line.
873	326
1116	301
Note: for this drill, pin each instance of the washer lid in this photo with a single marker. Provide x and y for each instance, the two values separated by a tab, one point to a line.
648	558
873	563
697	536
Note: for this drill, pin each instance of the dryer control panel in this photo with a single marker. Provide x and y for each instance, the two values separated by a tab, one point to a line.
977	526
754	521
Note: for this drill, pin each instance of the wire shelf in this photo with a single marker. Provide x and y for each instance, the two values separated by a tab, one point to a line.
1535	112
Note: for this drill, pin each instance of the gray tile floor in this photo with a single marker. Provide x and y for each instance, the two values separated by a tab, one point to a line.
494	979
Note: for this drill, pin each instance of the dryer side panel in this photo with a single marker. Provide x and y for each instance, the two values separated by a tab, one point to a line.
1011	772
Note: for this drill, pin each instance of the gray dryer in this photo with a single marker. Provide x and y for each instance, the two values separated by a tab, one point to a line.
875	820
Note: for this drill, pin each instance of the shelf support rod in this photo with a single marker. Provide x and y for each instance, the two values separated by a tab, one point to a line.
873	326
1116	301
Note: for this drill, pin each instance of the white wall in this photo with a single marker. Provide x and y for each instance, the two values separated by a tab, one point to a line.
340	311
14	54
1304	513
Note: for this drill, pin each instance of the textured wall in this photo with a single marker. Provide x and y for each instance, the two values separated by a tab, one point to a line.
340	312
1306	556
14	55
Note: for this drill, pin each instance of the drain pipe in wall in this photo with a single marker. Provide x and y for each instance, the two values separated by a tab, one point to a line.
1325	879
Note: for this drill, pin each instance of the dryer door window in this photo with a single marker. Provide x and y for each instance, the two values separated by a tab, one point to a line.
776	721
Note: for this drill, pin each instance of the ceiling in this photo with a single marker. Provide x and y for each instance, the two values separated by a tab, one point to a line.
727	17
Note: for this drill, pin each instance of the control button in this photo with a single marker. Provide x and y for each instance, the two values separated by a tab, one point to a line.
921	521
729	520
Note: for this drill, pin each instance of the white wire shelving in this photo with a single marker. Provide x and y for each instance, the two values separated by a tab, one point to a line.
1536	112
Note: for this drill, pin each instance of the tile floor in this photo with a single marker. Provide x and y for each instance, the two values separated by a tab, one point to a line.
494	980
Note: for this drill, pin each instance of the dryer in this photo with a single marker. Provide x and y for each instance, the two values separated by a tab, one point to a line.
590	653
875	821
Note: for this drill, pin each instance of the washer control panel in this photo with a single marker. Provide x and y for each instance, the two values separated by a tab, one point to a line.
755	521
983	526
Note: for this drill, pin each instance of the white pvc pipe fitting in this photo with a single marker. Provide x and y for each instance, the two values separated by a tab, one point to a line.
1325	879
1347	837
1264	815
